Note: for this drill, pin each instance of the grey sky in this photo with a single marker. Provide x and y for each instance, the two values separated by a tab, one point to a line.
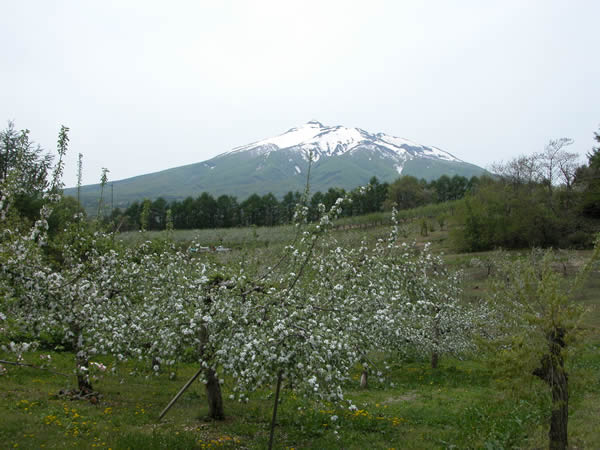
146	86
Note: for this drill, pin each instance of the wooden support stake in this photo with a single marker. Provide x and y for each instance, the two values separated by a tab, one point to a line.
180	393
277	389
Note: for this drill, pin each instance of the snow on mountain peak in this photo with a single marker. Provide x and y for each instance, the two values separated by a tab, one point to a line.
320	140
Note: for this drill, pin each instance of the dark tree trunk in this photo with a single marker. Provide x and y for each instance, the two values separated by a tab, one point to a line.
213	395
435	355
213	388
560	412
552	371
435	358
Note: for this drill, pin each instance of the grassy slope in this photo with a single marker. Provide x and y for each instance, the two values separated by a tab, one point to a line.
461	404
242	175
433	169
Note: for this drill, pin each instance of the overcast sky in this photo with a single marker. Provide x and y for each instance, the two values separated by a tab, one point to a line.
146	86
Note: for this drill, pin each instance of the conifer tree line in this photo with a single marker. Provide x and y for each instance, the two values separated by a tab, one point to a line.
225	211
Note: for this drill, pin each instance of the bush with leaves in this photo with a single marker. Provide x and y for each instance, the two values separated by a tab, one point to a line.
539	327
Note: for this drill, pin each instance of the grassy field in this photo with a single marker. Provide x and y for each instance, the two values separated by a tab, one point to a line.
459	405
348	229
462	404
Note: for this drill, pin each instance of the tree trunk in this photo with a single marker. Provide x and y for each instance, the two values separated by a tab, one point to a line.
560	412
364	379
213	395
552	371
435	357
81	363
213	388
83	377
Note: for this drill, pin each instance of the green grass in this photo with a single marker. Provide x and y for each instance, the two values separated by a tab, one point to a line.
347	228
462	404
235	238
458	405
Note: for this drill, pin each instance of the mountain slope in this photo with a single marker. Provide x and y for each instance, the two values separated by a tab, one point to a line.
341	157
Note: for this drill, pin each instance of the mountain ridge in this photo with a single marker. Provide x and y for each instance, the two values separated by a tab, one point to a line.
340	157
315	136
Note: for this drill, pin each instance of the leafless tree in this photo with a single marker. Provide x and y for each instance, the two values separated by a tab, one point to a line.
520	172
553	160
552	166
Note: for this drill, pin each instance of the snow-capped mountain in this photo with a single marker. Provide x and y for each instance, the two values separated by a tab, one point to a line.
341	157
315	140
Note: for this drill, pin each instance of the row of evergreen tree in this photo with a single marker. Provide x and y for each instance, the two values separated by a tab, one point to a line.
225	211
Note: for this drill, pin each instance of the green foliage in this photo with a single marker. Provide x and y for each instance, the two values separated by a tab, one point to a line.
169	219
594	157
542	200
503	214
407	192
588	179
24	169
539	329
63	212
424	227
205	212
61	149
535	299
441	220
145	215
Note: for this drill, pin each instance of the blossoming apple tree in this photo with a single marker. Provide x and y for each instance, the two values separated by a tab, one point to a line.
306	321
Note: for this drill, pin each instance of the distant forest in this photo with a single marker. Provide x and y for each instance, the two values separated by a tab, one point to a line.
226	211
547	199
